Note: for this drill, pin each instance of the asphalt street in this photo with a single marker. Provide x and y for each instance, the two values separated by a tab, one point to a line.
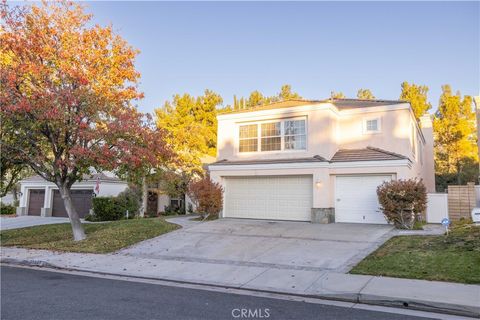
36	294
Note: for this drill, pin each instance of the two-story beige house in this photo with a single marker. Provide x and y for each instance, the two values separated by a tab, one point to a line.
319	161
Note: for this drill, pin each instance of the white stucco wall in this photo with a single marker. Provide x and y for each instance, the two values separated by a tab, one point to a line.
323	174
328	130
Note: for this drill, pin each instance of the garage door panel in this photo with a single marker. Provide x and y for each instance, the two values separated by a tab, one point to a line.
36	201
277	198
82	201
356	199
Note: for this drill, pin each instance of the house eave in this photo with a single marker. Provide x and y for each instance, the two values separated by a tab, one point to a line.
312	165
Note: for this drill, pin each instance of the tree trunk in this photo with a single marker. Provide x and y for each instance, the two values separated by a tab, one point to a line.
77	228
143	208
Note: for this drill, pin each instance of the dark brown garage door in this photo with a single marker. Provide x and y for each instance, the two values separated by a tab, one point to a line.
35	202
82	201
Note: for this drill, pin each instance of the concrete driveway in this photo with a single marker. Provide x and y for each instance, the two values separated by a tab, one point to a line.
271	244
28	221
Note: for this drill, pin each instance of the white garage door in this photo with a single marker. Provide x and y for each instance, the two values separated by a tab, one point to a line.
275	198
356	199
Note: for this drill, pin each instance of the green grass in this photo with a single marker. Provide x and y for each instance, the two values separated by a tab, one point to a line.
454	258
101	237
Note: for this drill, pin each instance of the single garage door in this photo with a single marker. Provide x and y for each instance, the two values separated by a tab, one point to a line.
356	199
82	201
273	198
36	201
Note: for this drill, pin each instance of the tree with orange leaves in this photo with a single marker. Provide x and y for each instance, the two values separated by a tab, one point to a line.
67	92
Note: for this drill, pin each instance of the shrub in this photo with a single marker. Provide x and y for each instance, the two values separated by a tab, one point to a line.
115	208
107	209
402	201
7	209
130	200
207	196
172	210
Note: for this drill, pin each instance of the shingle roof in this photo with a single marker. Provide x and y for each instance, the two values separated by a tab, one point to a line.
86	177
271	161
366	154
341	104
342	155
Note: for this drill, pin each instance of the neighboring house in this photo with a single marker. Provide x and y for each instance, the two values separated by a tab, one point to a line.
8	199
319	161
39	197
158	199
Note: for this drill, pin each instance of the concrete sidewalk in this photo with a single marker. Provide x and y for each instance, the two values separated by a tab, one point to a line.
458	299
8	223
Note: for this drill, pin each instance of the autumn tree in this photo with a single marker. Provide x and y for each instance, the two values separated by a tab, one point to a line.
67	88
417	96
365	94
455	137
207	197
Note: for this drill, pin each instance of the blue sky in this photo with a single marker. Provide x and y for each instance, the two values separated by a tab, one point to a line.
235	48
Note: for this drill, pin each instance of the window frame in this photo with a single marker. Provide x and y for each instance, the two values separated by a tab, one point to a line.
249	138
280	135
259	136
284	135
365	126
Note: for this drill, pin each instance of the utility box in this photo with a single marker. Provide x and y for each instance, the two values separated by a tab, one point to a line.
476	215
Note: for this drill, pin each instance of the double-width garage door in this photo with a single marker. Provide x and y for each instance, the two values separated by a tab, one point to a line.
356	198
82	201
269	197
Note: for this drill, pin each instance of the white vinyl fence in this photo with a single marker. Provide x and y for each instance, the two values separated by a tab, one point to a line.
437	207
477	195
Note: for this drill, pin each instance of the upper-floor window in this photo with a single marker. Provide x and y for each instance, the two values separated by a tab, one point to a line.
371	125
248	138
295	137
273	136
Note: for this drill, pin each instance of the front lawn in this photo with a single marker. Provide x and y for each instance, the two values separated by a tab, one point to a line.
101	237
455	258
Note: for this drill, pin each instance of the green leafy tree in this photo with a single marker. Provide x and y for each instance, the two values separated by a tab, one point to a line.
365	94
417	96
455	136
191	125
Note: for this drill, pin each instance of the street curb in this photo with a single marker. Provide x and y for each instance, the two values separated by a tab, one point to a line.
452	309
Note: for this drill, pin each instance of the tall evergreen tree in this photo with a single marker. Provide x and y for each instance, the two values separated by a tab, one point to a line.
455	136
192	124
337	95
256	98
365	94
287	94
417	96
